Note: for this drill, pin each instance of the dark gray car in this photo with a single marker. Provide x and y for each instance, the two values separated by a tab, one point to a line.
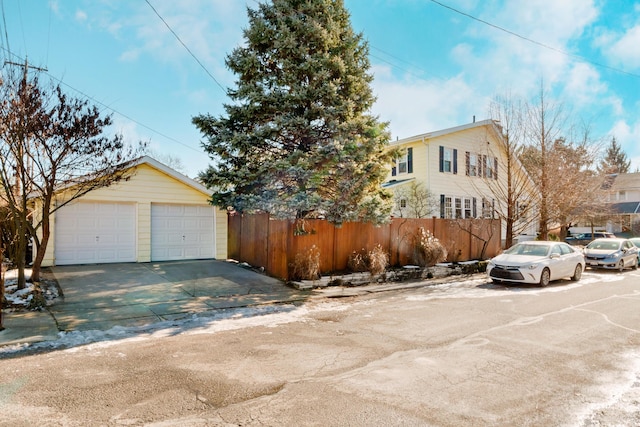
583	239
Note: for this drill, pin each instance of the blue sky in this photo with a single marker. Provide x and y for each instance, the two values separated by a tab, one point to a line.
434	68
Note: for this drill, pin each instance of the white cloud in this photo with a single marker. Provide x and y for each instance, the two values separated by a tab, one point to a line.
415	106
81	15
583	85
549	22
625	51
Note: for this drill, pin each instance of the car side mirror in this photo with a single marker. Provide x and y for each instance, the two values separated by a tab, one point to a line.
554	256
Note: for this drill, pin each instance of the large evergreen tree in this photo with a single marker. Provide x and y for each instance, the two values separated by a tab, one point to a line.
299	139
615	160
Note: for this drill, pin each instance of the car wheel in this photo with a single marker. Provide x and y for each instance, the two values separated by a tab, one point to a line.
577	273
621	265
635	265
545	277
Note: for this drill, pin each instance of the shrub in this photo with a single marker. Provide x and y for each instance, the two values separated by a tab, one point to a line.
378	260
358	261
453	253
375	261
306	265
427	249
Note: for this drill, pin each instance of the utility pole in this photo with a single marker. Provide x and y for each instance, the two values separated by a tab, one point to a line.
23	95
21	186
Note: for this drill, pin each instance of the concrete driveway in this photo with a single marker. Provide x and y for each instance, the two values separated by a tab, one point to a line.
99	297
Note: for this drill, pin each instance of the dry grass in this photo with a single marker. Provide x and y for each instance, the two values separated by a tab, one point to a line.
306	265
374	261
427	249
378	260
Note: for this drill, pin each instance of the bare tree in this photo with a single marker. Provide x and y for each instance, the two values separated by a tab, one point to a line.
515	193
52	151
415	201
559	158
545	122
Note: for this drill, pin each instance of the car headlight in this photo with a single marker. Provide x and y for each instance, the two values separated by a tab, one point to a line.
616	255
531	266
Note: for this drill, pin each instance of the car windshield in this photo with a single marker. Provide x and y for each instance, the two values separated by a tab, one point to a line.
609	246
528	249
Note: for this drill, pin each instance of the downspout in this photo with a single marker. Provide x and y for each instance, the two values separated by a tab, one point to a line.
428	165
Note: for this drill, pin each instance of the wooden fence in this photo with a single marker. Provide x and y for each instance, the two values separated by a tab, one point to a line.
273	244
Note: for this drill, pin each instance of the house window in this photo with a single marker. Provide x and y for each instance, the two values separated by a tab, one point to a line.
491	167
487	208
522	210
459	208
473	164
448	207
403	203
404	164
447	160
467	208
622	195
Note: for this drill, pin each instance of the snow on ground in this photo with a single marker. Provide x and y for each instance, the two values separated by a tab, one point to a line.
202	323
269	316
21	298
477	288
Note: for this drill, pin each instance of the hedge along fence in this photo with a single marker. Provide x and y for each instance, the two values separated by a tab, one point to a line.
273	244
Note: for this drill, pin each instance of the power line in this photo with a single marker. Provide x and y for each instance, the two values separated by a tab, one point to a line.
124	115
4	22
60	81
569	54
186	47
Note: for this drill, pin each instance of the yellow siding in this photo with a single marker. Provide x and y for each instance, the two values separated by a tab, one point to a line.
150	185
147	185
221	234
480	139
144	231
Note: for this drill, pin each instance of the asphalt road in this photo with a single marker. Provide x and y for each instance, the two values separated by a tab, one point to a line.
467	353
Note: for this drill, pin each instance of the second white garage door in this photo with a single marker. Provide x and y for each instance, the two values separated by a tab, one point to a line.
182	232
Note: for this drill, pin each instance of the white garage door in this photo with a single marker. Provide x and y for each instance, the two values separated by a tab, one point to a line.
182	232
92	232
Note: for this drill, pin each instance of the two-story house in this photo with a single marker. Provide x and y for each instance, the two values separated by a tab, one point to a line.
464	171
623	194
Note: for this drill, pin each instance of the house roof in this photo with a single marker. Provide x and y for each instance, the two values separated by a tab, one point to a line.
622	181
396	182
626	207
160	167
428	135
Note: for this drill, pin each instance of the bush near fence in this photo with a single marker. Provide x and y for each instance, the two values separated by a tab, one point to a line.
273	244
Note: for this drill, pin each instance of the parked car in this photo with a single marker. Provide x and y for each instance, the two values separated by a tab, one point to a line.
611	253
582	239
636	242
536	262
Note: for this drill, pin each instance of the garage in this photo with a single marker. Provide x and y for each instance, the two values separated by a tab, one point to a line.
182	232
95	233
154	214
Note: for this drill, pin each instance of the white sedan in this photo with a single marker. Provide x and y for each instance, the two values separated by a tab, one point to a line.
536	262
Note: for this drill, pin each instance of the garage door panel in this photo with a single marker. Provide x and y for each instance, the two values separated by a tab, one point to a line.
182	232
94	232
